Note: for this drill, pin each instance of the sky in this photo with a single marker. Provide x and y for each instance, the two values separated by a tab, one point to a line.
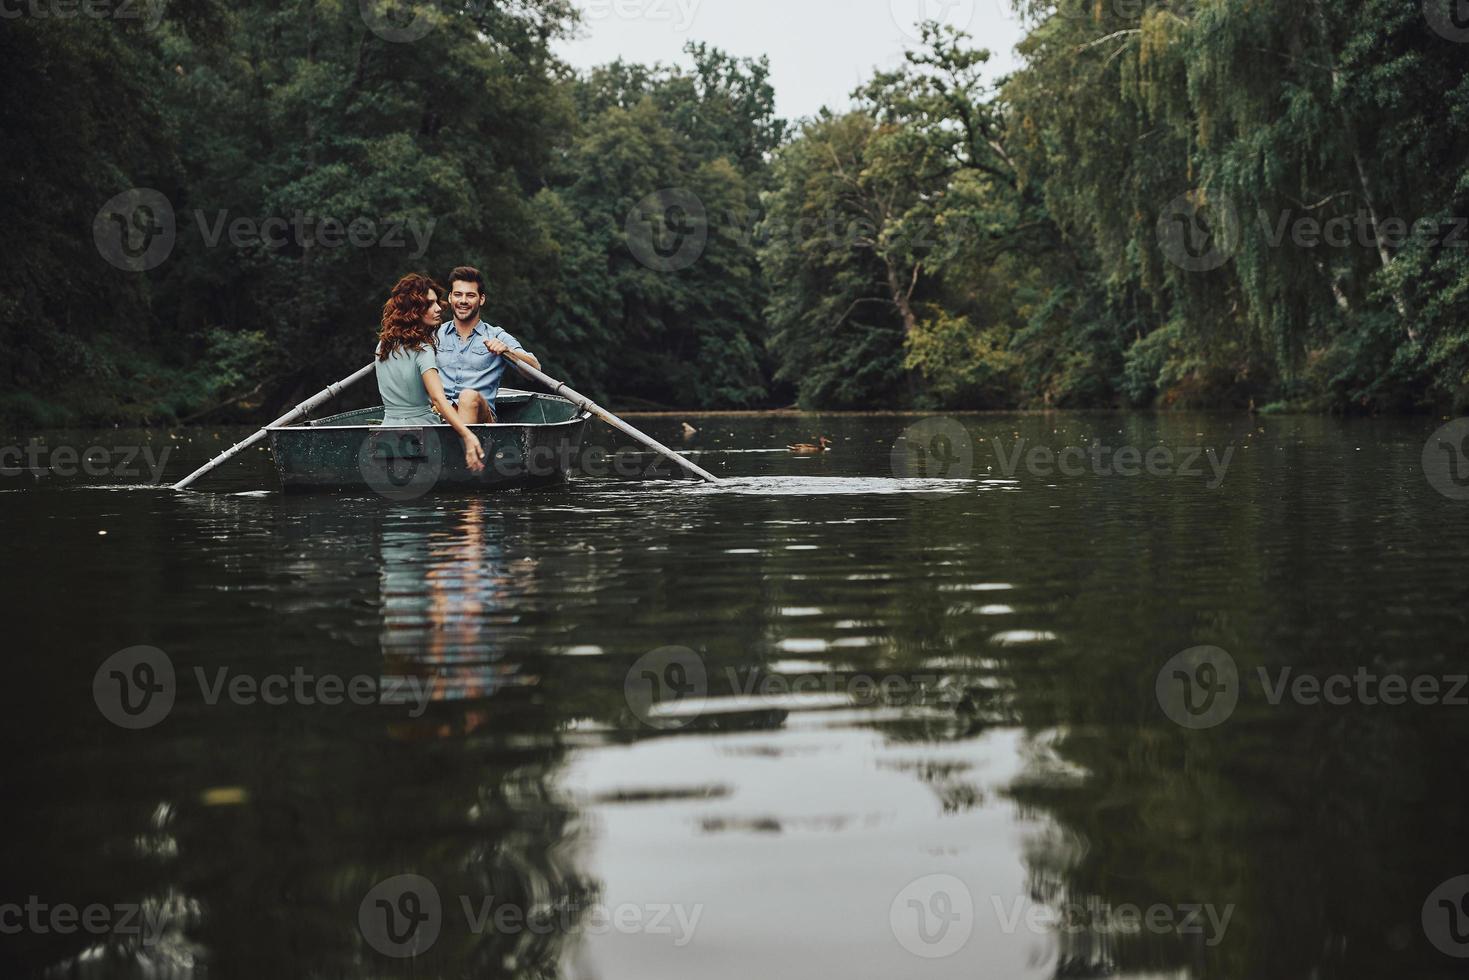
819	50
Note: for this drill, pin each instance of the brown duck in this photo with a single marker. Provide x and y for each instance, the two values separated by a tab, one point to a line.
806	449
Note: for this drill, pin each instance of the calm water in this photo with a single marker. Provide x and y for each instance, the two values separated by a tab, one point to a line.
820	721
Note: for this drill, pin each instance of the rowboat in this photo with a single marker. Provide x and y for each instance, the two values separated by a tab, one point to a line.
534	443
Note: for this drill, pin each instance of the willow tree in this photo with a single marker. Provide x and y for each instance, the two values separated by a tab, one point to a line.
1313	135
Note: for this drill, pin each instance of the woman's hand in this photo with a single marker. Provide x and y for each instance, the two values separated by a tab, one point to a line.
474	455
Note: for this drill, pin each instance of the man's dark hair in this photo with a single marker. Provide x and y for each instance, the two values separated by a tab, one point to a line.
468	273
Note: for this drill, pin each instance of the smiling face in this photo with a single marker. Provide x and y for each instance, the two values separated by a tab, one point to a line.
466	300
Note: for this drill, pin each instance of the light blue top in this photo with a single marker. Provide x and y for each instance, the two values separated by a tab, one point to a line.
466	365
400	382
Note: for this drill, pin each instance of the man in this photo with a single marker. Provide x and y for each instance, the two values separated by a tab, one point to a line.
469	350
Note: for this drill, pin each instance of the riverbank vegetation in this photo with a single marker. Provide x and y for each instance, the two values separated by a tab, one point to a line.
1173	203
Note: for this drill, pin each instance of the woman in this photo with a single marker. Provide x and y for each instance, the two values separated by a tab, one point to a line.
407	372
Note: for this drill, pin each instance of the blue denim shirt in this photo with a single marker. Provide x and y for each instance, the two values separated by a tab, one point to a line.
467	364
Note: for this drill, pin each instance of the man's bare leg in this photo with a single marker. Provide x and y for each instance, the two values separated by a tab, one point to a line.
474	410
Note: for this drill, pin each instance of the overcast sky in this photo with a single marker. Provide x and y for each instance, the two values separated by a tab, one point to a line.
820	50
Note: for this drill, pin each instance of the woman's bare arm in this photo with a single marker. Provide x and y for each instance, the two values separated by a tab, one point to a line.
474	453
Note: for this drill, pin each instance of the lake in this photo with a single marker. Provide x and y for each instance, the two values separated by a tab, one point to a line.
973	704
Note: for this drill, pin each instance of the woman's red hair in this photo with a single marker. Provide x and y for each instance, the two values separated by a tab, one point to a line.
403	327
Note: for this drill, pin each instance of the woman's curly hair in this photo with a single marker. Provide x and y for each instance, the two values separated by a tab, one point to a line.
403	327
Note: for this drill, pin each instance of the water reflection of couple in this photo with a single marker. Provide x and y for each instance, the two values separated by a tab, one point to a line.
431	372
445	603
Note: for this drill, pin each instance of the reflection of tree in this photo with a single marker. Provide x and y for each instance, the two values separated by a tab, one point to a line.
325	802
1314	823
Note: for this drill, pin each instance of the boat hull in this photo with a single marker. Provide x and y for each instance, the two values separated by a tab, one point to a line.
534	444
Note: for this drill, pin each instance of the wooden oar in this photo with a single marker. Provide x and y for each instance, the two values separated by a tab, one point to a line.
315	401
586	404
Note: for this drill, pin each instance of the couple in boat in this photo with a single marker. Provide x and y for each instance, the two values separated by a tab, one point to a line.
430	371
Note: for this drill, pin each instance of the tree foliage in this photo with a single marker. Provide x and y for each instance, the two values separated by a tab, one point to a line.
1172	202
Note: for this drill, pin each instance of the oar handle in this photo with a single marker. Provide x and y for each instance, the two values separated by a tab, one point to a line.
315	401
586	404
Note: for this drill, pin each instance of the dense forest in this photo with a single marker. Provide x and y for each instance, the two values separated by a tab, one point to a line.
1173	203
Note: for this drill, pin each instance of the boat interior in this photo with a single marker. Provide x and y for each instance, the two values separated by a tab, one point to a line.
511	408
